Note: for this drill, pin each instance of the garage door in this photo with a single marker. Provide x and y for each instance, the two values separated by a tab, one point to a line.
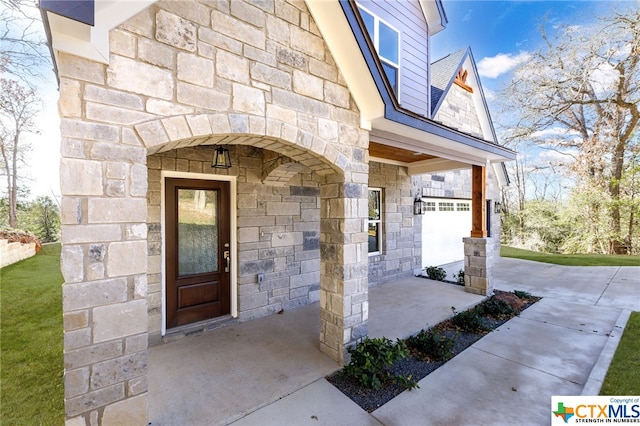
444	225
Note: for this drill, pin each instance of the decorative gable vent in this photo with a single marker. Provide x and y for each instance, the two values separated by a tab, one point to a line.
461	80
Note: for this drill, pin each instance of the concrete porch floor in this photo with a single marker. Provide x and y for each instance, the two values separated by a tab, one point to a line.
223	375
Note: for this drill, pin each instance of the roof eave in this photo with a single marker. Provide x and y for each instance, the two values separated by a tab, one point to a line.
395	113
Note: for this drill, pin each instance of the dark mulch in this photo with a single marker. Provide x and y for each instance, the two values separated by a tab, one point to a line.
414	366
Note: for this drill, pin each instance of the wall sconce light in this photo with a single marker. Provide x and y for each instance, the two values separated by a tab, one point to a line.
497	207
221	158
419	206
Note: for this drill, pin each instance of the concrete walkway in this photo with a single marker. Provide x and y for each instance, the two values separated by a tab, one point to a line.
222	375
560	346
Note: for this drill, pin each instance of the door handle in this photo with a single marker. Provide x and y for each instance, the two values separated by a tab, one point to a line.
227	258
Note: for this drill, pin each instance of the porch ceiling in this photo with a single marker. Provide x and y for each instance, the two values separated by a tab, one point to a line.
399	155
416	162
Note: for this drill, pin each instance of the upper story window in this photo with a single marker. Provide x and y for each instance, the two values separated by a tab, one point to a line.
386	40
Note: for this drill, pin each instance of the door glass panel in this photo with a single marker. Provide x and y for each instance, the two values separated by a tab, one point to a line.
197	231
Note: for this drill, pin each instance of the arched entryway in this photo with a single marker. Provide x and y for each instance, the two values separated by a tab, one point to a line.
299	221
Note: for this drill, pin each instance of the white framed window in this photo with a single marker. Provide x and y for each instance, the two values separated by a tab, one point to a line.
445	207
386	40
463	207
430	206
375	221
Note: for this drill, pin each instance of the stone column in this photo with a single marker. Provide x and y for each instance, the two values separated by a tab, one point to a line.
103	180
344	306
478	265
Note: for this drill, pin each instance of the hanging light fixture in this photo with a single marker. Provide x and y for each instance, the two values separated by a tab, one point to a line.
221	158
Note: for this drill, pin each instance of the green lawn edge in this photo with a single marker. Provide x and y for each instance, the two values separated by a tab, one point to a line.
571	259
31	340
623	377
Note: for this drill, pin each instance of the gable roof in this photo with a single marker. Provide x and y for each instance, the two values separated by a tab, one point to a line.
443	75
443	72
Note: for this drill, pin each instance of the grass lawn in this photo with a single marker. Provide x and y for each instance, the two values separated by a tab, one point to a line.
31	340
623	377
571	259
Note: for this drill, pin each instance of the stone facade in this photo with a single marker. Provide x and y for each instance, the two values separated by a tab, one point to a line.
278	233
458	111
257	77
260	77
449	184
401	229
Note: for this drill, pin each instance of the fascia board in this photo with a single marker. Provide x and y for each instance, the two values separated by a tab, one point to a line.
343	45
92	42
394	134
434	14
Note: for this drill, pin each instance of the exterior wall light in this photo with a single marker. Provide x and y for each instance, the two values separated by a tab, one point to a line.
419	206
221	158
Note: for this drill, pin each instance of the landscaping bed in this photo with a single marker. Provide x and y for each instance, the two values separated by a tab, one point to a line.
380	369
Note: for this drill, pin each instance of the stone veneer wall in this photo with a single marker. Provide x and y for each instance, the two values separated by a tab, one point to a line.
449	184
278	233
186	73
458	111
401	229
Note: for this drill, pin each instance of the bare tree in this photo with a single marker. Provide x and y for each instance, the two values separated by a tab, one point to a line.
23	48
18	108
579	95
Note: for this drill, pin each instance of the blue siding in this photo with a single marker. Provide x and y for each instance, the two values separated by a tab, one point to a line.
407	17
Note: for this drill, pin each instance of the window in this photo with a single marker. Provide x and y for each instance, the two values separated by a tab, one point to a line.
430	206
386	40
463	207
375	221
445	207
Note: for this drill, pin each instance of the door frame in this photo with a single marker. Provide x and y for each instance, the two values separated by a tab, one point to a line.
233	211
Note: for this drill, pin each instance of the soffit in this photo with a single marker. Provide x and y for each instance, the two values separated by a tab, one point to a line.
399	155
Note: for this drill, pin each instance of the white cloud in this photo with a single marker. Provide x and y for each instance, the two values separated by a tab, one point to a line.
554	132
467	16
489	94
604	78
494	67
555	156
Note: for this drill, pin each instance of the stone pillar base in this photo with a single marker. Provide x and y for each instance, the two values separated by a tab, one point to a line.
478	265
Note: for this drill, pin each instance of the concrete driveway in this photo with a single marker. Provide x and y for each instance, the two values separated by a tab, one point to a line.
613	286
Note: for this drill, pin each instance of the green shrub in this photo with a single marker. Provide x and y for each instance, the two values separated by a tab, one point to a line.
459	277
432	344
468	321
522	294
436	273
370	359
497	308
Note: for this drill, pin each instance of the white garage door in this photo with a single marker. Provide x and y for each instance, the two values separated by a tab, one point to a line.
444	225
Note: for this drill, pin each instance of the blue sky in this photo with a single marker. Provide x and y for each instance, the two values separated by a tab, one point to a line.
501	33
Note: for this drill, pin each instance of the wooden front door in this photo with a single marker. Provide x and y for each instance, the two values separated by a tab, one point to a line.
197	219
